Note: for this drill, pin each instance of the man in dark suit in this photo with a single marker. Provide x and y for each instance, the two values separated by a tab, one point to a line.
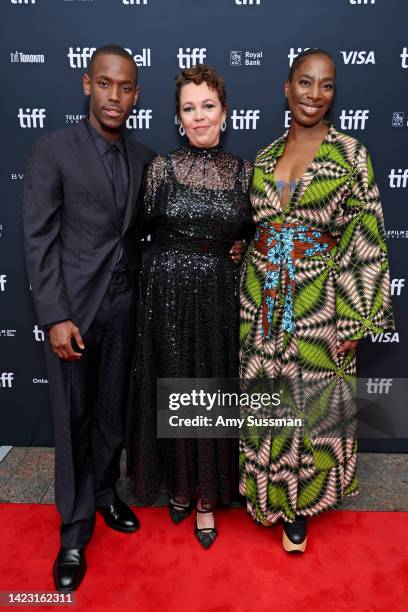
81	188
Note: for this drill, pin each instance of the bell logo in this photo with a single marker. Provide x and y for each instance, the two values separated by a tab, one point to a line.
398	178
385	337
79	58
358	57
379	385
38	334
3	281
33	118
6	379
139	119
404	57
292	55
354	120
191	57
245	120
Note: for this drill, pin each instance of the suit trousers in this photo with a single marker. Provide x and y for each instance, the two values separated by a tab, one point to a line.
88	399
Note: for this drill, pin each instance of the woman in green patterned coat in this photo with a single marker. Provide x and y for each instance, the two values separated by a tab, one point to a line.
315	281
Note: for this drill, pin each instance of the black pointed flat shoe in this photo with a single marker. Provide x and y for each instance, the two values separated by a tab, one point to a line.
178	513
295	535
205	535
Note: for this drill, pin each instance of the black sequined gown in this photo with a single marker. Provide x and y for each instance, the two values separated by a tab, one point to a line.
196	204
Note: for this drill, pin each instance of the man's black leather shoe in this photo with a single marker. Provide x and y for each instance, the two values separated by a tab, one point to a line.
69	569
120	517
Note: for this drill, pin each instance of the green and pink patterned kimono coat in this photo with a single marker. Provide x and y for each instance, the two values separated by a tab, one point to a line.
320	299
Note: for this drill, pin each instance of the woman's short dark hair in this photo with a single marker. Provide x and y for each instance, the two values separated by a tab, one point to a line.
201	73
303	55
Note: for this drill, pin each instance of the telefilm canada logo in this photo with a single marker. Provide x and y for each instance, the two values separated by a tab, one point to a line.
79	56
7	333
246	58
74	119
18	57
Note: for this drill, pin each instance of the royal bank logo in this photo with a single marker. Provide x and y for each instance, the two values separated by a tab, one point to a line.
385	337
18	57
398	119
6	380
398	178
397	285
292	55
79	57
245	119
190	57
134	2
358	57
404	57
31	118
354	119
139	119
39	335
246	58
73	119
3	281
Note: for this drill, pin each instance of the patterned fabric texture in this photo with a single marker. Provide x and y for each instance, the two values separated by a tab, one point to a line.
335	294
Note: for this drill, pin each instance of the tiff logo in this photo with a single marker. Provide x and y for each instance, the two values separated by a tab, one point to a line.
31	118
358	57
354	120
191	57
398	178
3	281
379	385
292	55
404	57
38	334
22	1
6	379
362	1
139	119
131	2
244	2
397	285
245	120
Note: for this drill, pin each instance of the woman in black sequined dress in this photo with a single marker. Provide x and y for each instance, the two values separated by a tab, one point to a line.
195	206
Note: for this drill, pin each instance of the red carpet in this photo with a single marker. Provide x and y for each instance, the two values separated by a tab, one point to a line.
355	561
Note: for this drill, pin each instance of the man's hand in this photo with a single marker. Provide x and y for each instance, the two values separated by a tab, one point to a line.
348	345
61	336
237	250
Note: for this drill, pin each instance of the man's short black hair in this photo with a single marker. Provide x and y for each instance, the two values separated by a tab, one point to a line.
110	50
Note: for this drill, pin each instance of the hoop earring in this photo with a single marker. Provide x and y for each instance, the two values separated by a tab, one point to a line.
182	131
223	126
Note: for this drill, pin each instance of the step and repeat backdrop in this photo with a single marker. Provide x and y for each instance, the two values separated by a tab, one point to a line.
45	48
